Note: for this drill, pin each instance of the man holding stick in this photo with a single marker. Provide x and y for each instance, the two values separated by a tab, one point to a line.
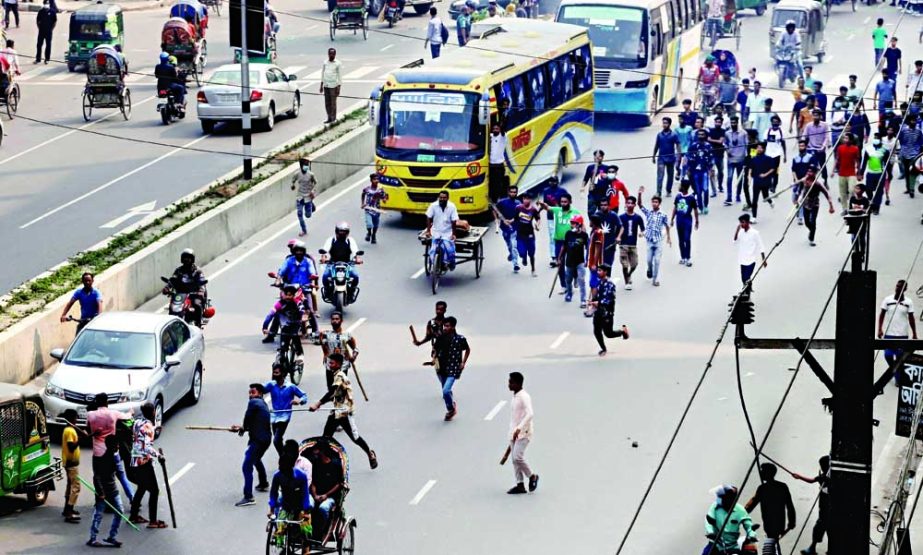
337	341
283	396
451	352
520	434
433	329
106	494
256	423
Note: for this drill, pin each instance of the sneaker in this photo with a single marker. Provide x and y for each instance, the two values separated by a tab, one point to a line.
534	274
650	274
728	203
515	269
689	263
72	519
602	352
533	482
625	333
373	460
449	415
682	261
113	542
656	283
812	243
553	264
568	298
374	240
262	487
245	502
582	304
520	488
800	221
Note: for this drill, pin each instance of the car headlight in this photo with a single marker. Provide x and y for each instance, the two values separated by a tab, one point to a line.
133	396
52	390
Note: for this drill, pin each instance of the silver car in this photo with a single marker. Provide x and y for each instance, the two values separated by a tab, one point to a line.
131	356
272	92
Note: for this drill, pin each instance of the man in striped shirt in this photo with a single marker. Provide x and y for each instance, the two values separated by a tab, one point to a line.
656	227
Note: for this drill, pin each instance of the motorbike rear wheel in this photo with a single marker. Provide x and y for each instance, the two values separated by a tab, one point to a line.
165	114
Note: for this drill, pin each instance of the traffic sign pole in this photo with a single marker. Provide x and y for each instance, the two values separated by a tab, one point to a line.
246	132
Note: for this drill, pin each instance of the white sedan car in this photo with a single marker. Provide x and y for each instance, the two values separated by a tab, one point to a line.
133	357
272	92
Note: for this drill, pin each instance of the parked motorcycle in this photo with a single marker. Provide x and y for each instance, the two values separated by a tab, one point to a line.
341	288
182	305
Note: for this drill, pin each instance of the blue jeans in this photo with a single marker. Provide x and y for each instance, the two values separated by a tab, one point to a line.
434	49
684	233
179	93
525	246
253	457
447	383
372	219
879	52
123	478
654	252
670	167
700	185
115	499
448	249
304	208
509	239
734	168
713	27
578	274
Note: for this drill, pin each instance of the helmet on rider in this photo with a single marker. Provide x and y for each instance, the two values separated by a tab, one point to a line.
709	60
173	60
187	256
342	227
299	246
164	57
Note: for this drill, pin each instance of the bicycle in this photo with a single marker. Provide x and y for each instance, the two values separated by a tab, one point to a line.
286	355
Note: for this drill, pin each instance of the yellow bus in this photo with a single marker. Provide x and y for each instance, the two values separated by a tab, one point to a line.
433	118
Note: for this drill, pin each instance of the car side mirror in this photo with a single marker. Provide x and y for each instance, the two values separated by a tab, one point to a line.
170	361
57	354
293	77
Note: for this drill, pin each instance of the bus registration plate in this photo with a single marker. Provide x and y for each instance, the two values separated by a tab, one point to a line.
426	157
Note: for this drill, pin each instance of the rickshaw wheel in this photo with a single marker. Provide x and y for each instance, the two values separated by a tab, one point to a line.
427	263
12	100
125	104
347	544
87	106
478	259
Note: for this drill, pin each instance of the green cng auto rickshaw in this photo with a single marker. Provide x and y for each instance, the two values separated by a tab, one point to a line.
25	452
93	26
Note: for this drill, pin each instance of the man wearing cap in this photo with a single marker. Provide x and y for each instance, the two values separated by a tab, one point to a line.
604	304
749	249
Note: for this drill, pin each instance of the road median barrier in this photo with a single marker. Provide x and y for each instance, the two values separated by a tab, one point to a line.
212	220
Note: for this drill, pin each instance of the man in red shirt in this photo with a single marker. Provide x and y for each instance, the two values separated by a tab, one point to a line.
847	167
616	186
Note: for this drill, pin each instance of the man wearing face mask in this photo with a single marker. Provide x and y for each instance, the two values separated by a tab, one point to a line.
723	521
304	183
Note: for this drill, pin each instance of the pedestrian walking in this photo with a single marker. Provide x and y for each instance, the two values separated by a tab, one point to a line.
686	218
910	138
551	197
915	79
283	396
561	220
656	226
684	134
776	506
452	352
434	328
614	188
10	7
749	246
700	159
594	170
304	183
716	134
104	470
436	34
372	197
527	222
90	300
521	433
755	102
879	40
743	96
496	173
628	240
257	425
101	422
762	120
873	157
666	150
847	161
801	161
463	25
775	149
817	134
735	143
573	259
505	212
811	187
142	464
896	321
603	305
823	503
341	394
885	96
330	81
762	169
45	20
70	458
892	58
611	226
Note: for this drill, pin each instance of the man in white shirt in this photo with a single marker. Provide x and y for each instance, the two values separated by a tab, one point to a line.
497	170
441	218
433	33
755	102
749	246
895	320
520	434
330	81
915	79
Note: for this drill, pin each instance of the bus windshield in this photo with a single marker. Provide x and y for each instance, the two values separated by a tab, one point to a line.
431	122
616	32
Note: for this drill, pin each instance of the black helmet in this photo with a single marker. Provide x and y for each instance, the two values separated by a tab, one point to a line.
187	254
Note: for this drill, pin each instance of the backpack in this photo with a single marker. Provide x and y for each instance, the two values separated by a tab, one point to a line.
444	33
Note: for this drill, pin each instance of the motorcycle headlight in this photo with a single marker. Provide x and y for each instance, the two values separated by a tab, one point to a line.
341	273
133	396
52	390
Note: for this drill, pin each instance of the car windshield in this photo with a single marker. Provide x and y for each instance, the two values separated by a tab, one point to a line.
616	32
431	122
112	349
780	16
232	78
88	30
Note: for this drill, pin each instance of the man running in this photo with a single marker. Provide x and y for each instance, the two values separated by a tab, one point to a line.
604	305
338	341
451	352
283	396
256	424
521	431
666	149
371	199
505	211
527	223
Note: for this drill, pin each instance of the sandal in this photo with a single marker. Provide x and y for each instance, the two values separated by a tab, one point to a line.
94	543
157	524
138	519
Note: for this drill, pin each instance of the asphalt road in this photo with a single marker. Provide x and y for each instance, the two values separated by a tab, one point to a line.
61	174
439	488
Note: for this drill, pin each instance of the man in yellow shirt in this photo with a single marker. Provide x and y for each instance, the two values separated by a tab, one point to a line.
70	457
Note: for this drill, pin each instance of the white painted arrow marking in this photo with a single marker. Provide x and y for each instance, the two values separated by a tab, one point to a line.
140	210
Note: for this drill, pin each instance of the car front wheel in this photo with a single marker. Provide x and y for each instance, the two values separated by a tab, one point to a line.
195	388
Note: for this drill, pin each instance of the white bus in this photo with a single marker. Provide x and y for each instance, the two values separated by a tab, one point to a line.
642	49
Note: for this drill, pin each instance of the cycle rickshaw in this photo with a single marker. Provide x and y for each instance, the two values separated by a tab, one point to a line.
9	88
284	533
349	15
469	247
178	39
106	88
730	26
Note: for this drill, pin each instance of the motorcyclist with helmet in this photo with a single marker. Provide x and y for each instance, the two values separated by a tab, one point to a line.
190	280
708	80
340	248
789	42
300	270
168	79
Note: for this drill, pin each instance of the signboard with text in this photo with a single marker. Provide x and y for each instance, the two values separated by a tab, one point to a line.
911	386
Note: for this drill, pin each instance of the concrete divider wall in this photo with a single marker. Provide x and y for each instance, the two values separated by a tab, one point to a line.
24	347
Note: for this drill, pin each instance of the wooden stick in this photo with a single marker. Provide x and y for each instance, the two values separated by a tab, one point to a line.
356	373
506	455
211	428
553	283
773	461
413	334
106	501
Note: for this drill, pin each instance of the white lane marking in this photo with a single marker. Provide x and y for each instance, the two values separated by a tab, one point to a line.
361	72
418	273
34	73
314	75
722	398
293	69
61	76
111	182
284	230
71	132
423	491
137	76
560	339
140	210
181	473
309	27
355	325
866	20
387	47
493	412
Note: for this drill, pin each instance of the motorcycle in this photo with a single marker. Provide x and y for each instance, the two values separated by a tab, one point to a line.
392	13
169	109
182	305
786	66
340	289
307	298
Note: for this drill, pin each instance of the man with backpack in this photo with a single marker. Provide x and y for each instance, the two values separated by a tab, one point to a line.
436	34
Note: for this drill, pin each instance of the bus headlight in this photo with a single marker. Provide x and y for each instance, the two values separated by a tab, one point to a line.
465	183
388	180
637	84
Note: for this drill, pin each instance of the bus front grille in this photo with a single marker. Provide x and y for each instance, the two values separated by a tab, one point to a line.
425	183
423	197
601	77
425	171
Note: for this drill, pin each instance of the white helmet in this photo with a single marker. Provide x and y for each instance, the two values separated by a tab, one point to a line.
343	226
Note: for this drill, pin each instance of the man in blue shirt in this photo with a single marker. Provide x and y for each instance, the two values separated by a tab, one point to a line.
299	270
742	96
283	397
700	159
666	144
604	303
90	299
506	212
911	145
628	247
885	93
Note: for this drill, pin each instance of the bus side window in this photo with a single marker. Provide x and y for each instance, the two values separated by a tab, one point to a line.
556	76
680	15
583	70
518	112
536	91
693	6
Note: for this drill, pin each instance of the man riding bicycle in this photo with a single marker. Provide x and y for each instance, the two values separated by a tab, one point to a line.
299	270
290	314
441	220
295	503
723	521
